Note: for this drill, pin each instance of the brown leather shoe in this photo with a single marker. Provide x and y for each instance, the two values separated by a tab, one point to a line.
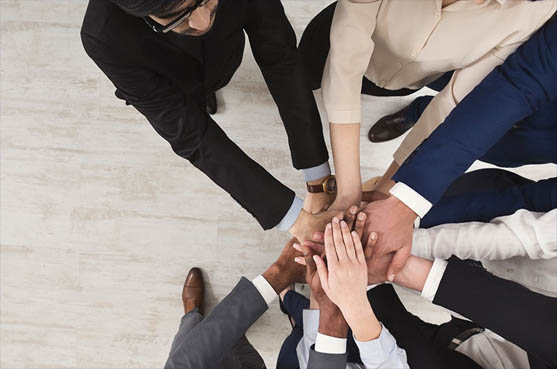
390	127
194	291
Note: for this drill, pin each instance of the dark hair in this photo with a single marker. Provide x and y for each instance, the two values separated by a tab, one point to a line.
142	8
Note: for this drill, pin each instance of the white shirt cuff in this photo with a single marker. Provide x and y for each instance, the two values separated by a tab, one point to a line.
265	289
434	279
330	345
320	171
421	246
411	198
291	215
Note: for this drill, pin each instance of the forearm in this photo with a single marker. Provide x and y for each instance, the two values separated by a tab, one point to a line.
345	141
386	182
331	321
363	322
414	274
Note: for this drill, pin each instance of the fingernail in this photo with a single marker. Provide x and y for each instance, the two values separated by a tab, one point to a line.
328	226
373	236
297	259
392	277
355	234
361	216
315	257
343	224
336	220
353	210
296	246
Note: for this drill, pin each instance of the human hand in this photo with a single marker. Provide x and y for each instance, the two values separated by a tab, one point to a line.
393	222
331	320
317	202
285	271
344	279
307	223
355	220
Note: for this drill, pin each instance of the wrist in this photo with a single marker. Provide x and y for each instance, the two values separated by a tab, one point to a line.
318	180
401	208
303	218
275	276
414	273
332	322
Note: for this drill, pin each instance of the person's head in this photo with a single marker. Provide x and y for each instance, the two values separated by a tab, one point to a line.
187	17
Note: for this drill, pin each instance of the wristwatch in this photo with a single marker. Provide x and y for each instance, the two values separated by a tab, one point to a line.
329	185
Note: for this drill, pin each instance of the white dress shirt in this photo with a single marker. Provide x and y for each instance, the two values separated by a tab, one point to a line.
381	352
524	233
265	289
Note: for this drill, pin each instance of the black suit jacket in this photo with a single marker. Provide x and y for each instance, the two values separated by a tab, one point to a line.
166	78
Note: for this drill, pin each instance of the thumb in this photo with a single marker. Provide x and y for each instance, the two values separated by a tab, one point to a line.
323	272
399	259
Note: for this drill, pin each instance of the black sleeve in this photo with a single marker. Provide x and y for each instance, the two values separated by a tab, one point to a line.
273	43
526	318
193	135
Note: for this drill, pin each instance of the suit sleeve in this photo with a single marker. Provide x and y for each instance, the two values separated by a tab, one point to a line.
513	91
273	43
526	318
319	360
210	340
180	119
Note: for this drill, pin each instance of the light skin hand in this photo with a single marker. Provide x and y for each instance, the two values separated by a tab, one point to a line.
344	279
307	223
356	221
393	221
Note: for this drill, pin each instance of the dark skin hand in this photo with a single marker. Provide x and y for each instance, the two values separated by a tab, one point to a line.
285	271
331	320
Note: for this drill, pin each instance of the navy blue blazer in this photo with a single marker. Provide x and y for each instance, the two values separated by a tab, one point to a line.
523	85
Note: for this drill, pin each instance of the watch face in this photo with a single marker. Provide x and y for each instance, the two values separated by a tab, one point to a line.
331	185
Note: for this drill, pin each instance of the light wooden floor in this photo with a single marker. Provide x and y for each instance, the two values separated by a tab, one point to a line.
100	221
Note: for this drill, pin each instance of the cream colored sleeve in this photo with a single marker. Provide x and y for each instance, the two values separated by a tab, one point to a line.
349	56
461	83
464	80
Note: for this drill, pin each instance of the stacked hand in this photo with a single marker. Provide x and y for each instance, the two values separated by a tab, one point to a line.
393	221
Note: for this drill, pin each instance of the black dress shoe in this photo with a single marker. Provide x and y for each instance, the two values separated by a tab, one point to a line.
211	103
390	127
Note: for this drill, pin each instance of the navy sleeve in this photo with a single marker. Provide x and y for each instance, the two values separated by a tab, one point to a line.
511	92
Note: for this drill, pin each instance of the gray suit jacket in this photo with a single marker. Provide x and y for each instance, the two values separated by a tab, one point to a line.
319	360
209	344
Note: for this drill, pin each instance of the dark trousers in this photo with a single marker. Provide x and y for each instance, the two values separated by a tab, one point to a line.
485	194
426	345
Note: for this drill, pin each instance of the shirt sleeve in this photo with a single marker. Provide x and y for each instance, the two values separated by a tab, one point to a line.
311	326
382	352
433	279
265	289
349	56
524	233
411	198
330	345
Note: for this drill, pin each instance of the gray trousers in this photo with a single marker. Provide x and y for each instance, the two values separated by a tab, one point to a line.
242	355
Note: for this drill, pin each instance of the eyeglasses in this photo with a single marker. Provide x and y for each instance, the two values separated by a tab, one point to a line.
180	19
